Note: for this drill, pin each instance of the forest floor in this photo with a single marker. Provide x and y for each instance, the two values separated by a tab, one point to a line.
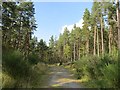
60	77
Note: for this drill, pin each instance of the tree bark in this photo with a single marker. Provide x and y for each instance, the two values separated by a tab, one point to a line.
19	37
79	49
97	43
87	47
94	52
110	39
102	43
74	51
118	23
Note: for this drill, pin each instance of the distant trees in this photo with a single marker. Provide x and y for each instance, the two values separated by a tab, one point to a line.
67	52
97	36
41	50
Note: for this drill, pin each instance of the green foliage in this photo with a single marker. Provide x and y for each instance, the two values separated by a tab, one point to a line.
18	72
38	71
87	66
110	75
18	24
52	42
14	68
42	50
102	72
33	59
80	67
14	64
67	51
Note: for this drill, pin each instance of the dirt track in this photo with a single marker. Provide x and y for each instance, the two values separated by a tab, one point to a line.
59	77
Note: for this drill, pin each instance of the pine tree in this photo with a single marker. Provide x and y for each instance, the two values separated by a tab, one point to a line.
18	24
86	25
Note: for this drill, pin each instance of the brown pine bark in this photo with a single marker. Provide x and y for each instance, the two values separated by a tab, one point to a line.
87	47
79	49
79	52
102	43
74	51
94	52
98	43
118	23
110	39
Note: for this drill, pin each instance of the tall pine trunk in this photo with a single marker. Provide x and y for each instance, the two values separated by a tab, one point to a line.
79	49
118	25
98	43
110	39
74	51
20	30
102	43
87	47
94	52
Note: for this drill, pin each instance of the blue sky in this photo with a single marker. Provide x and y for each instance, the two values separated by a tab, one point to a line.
52	17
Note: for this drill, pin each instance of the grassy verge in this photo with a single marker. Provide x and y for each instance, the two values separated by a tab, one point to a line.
38	74
72	70
96	72
18	72
41	73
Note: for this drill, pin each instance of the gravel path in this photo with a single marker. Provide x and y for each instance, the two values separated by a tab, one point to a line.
60	78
